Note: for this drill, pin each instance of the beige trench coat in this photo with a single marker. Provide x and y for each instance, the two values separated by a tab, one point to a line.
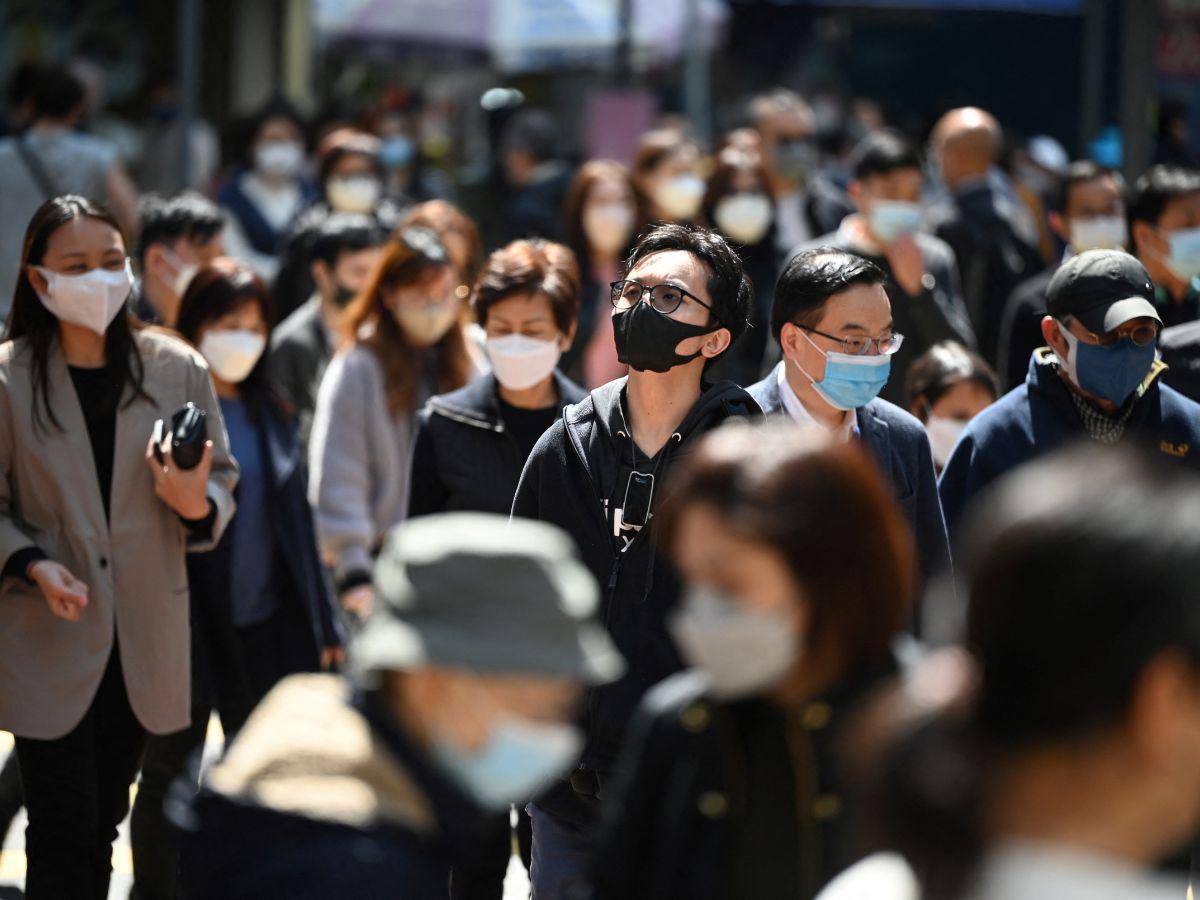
133	565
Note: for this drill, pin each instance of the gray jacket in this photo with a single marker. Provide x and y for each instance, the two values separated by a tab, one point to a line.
300	352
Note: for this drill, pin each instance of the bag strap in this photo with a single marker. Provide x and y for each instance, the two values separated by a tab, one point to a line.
44	182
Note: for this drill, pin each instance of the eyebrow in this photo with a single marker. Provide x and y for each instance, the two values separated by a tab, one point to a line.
854	326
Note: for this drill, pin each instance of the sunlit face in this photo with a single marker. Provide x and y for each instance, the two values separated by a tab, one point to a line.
246	317
963	402
862	310
528	314
609	190
79	246
898	185
353	268
750	573
682	269
354	164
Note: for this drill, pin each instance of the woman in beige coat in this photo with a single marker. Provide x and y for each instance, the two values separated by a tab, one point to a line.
94	645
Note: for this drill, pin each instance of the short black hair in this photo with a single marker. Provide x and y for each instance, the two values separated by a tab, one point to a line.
55	93
943	366
345	233
729	286
811	278
1157	187
164	219
533	131
883	152
1081	172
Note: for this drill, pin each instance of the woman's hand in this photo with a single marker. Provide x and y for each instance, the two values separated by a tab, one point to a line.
358	600
185	491
65	594
332	656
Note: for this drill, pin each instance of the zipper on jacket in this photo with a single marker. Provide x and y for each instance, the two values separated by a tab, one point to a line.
465	420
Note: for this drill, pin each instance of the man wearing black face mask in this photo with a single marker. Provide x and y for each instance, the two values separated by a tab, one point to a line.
1097	379
344	252
598	472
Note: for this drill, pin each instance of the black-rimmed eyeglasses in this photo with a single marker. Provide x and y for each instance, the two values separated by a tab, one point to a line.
664	298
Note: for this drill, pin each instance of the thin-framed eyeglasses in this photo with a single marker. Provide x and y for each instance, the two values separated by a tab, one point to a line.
860	345
664	298
1143	334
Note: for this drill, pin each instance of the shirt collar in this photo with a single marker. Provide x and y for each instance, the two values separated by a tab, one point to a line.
800	414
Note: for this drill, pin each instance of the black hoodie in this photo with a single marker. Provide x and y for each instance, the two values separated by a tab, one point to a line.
576	471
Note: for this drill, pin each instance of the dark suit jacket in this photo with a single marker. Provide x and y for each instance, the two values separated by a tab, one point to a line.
1180	346
898	443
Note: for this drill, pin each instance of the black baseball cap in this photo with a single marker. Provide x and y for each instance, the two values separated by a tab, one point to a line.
1103	289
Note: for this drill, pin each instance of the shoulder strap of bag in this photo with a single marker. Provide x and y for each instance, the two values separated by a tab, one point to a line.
44	182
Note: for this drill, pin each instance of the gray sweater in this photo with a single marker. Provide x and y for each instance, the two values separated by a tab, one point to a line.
360	461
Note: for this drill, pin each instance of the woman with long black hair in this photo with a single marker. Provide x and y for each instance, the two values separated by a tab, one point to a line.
94	528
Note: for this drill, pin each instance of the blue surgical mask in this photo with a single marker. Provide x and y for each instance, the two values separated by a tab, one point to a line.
520	760
396	151
1112	372
1184	256
850	382
891	219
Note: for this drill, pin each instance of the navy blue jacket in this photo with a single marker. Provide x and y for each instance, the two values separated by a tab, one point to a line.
1040	416
899	444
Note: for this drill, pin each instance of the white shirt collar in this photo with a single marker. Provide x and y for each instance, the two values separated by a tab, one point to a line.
1019	870
800	414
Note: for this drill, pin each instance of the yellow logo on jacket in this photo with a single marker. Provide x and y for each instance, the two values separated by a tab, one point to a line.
1174	449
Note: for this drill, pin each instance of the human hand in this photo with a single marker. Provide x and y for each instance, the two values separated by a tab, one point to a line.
184	490
359	600
65	594
332	656
908	267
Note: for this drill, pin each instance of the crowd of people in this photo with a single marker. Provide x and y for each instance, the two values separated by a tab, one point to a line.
756	520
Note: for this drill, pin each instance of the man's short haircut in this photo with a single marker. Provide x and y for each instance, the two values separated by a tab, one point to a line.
811	278
164	219
729	287
55	93
1157	187
345	233
883	152
1080	172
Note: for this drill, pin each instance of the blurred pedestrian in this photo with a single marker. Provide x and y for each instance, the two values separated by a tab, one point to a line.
1098	378
807	204
667	179
922	276
405	344
343	256
465	681
176	236
598	474
785	640
537	176
1061	762
49	158
738	203
1164	225
260	609
473	443
947	387
834	325
1088	214
94	590
271	188
457	232
601	214
993	236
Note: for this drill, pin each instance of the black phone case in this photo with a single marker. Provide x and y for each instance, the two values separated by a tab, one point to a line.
189	432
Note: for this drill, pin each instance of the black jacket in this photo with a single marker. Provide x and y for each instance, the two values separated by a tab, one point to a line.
986	229
296	564
464	457
899	445
1021	329
730	799
568	481
936	314
1180	348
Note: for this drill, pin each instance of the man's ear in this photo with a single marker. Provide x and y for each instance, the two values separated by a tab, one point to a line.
1059	225
320	274
1052	336
788	335
854	189
716	343
1144	237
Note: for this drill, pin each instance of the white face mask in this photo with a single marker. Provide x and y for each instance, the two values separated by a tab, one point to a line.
1184	256
428	324
184	272
91	300
1098	233
233	354
521	362
743	653
279	159
353	193
943	434
608	226
744	218
680	197
892	219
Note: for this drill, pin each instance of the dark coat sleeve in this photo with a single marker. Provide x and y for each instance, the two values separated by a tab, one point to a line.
427	493
933	543
941	315
965	475
527	502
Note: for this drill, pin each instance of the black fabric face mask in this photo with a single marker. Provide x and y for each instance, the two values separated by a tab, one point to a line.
646	339
344	295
